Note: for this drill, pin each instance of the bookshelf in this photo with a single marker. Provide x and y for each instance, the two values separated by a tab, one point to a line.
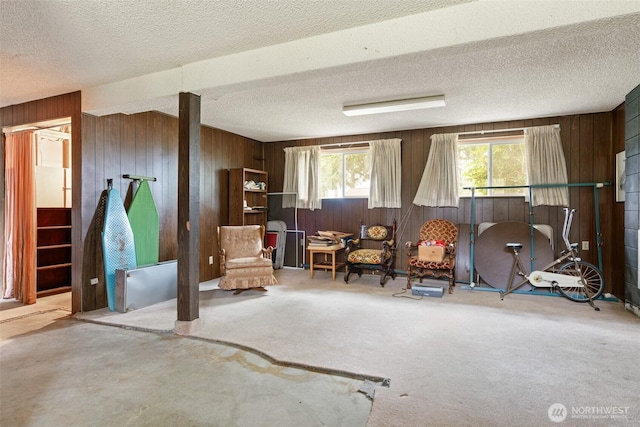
254	211
54	249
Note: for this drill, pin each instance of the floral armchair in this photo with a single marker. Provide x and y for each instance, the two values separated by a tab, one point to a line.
439	230
361	255
244	262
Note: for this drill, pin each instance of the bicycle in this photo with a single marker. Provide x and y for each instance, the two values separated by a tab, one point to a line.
577	280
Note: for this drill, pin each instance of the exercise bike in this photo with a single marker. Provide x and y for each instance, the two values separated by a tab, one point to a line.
577	280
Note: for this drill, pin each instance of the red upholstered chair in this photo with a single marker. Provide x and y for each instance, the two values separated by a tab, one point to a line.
434	230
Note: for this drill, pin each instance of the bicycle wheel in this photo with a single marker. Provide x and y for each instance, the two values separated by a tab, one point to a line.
593	281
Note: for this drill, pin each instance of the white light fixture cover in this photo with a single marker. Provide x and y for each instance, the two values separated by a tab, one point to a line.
392	106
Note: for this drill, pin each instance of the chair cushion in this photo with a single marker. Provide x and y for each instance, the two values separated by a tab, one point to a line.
241	241
439	229
366	256
248	272
247	262
448	263
377	232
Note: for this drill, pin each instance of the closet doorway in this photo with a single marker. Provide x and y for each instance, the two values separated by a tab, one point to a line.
41	207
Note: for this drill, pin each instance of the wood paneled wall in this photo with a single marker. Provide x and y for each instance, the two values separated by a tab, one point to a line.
55	107
147	144
587	142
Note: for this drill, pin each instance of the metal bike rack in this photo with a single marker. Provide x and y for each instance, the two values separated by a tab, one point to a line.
596	186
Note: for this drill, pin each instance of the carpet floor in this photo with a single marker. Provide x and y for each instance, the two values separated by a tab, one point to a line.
466	359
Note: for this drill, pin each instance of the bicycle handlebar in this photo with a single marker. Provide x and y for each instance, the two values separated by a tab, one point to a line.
568	219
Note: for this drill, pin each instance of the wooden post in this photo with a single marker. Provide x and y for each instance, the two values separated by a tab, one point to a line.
188	212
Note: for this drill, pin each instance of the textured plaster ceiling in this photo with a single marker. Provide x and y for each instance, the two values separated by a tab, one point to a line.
277	70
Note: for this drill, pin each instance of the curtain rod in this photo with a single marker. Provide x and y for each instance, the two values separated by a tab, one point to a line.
348	144
53	133
570	184
482	132
46	125
337	144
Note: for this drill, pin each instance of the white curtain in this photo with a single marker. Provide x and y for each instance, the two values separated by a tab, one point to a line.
301	176
439	184
386	173
546	165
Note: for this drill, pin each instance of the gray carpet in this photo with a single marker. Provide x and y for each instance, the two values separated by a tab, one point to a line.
464	359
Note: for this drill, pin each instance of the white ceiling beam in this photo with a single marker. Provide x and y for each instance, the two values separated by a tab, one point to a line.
454	26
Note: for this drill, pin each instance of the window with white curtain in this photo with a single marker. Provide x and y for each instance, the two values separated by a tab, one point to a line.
345	173
386	174
535	160
439	183
492	162
546	165
301	178
371	170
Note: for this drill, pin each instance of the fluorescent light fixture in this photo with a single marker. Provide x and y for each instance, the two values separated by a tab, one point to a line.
392	106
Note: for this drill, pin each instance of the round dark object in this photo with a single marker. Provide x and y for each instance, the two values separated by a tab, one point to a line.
493	260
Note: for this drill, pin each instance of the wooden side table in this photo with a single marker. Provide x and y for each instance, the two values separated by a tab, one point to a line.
328	262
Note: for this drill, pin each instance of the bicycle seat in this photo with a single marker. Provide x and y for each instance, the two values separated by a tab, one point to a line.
514	245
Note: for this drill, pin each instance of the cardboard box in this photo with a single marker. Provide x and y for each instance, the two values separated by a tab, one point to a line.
431	253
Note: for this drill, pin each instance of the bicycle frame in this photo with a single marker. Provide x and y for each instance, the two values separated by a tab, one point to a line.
548	277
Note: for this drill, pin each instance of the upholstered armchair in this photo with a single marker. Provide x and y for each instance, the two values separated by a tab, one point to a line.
244	262
446	234
375	250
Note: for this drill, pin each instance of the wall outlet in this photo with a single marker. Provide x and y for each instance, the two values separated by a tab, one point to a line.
585	245
94	281
211	260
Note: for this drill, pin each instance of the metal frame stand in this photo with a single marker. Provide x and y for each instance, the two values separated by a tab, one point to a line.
596	186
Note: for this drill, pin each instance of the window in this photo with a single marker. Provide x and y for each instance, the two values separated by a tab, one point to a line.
492	162
345	173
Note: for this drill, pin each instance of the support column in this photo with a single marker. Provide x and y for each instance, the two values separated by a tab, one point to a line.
188	214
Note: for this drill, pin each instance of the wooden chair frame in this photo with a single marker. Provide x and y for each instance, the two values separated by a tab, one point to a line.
435	229
385	257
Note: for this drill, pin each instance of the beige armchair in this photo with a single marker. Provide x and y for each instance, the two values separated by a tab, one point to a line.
244	262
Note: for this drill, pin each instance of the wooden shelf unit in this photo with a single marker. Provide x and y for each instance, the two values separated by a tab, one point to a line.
255	197
54	249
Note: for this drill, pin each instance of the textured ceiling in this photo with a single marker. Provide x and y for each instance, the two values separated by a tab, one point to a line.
276	70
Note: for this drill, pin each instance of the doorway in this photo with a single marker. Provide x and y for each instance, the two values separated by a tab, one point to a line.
50	212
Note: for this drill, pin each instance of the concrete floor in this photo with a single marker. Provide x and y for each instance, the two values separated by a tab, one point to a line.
55	370
466	359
